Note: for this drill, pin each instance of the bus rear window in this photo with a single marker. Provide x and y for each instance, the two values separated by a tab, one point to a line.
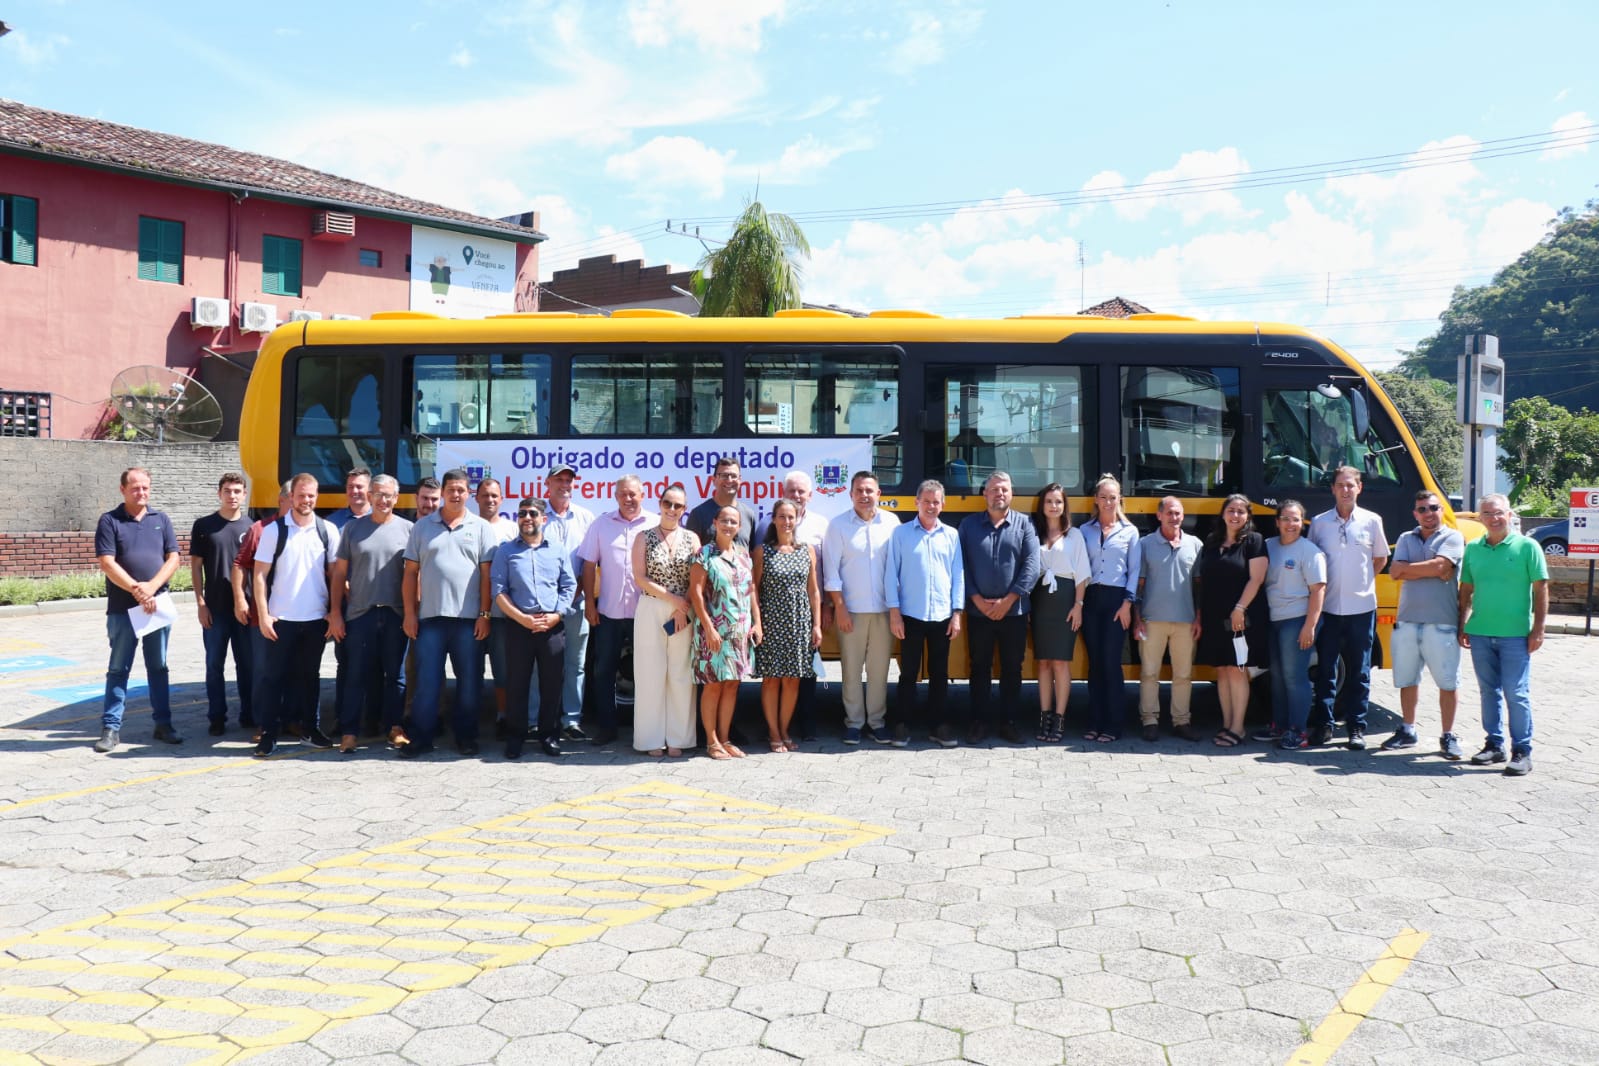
1180	431
828	394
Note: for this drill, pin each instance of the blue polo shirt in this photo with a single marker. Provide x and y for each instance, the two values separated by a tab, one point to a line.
139	545
537	580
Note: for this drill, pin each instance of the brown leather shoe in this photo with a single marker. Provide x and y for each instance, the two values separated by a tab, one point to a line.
1185	731
347	744
1152	732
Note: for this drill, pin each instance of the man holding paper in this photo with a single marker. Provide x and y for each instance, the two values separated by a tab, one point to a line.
138	552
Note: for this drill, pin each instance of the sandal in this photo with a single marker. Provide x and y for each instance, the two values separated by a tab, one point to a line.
716	751
732	750
674	753
1091	735
777	746
655	753
1107	738
790	744
1043	725
1227	739
1057	726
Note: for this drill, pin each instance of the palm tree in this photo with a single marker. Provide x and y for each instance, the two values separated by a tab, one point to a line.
753	274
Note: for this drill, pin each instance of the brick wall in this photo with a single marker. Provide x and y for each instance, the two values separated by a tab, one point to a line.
57	490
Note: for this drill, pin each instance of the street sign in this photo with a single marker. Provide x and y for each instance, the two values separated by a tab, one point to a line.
1584	536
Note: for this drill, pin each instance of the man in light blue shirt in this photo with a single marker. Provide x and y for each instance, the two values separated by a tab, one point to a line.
532	582
565	525
854	557
924	585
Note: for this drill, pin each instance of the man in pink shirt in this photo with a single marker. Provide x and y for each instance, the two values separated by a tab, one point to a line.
611	596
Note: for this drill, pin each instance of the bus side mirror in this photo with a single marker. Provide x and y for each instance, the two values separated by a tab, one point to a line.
1361	412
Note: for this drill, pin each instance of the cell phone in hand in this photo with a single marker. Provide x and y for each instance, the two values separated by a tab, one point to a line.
670	627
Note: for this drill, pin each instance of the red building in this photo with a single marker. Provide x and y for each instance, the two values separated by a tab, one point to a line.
121	246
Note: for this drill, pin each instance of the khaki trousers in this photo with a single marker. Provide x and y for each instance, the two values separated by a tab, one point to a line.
1178	638
868	646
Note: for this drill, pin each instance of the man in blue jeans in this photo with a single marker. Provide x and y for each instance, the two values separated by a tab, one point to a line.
446	591
371	566
1356	547
1504	598
138	552
214	542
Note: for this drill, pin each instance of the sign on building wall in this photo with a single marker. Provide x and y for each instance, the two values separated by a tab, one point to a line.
1583	535
459	276
520	467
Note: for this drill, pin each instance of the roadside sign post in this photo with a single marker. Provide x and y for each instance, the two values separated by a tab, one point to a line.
1583	539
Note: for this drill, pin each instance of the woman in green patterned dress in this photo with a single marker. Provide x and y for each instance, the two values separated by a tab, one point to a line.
721	589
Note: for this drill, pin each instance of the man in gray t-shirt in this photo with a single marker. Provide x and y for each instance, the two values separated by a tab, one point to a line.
1427	562
447	612
1164	619
368	612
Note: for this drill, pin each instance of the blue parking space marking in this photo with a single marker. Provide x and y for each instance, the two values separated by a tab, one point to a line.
84	693
22	664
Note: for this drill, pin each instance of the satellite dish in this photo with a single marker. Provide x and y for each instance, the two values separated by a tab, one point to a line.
165	405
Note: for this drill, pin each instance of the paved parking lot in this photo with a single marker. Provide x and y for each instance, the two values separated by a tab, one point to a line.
1165	904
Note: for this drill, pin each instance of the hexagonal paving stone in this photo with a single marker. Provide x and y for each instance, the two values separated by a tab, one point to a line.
912	1042
688	994
647	1053
1160	1023
1012	1045
835	974
621	1022
708	1030
664	964
780	999
599	989
747	970
807	1035
1063	1017
531	1017
967	1012
453	1045
873	1006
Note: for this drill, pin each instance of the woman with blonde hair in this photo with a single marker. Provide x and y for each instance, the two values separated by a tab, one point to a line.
1112	544
663	683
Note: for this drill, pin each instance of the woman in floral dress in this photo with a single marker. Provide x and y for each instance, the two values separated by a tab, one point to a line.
721	589
791	612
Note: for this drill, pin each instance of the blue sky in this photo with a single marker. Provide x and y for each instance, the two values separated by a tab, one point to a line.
1340	166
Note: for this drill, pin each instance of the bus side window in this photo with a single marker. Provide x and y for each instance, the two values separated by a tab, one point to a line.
639	394
1180	431
1309	435
1027	420
338	416
828	393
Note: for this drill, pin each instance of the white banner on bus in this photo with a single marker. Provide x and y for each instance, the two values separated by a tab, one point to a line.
461	277
521	466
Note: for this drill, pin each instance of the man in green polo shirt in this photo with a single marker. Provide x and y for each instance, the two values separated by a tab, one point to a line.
1502	628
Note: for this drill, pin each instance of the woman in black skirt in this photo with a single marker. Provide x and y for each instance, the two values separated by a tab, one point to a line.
1232	603
1057	607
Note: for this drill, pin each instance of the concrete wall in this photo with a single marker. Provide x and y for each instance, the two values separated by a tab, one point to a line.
59	488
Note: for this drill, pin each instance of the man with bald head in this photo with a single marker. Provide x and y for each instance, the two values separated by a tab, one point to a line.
611	595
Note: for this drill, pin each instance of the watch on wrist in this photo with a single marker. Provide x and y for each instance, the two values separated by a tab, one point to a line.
483	614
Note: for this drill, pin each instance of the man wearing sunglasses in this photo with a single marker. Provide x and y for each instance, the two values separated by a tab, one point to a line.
1356	547
1426	629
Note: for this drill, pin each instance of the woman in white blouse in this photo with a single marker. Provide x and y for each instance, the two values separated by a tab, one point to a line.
1057	607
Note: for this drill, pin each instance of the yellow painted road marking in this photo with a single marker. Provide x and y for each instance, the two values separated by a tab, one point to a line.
225	974
227	764
1359	1000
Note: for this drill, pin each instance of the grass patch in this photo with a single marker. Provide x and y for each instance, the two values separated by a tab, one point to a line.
28	590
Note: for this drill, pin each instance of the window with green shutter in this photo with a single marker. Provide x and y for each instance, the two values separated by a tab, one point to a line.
19	230
160	250
280	266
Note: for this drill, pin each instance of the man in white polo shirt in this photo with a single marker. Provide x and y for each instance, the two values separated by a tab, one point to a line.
1356	547
293	569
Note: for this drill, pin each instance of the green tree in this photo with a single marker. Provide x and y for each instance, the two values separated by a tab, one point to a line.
1544	308
1549	450
753	275
1428	407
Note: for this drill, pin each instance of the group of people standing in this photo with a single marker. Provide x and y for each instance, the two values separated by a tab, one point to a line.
709	596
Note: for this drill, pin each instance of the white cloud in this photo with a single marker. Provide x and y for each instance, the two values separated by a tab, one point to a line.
1573	136
1511	228
1214	171
925	41
673	163
32	53
856	110
802	162
717	25
1447	174
991	219
461	57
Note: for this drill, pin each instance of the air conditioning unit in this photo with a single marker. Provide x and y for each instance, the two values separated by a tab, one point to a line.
345	318
302	315
258	318
209	312
332	226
